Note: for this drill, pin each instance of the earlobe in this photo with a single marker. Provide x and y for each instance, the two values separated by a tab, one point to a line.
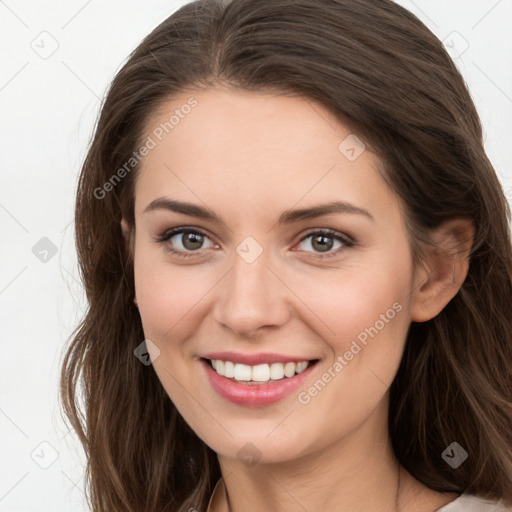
445	269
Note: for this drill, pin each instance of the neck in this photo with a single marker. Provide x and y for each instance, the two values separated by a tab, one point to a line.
358	473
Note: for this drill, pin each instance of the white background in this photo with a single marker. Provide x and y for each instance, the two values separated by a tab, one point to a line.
48	107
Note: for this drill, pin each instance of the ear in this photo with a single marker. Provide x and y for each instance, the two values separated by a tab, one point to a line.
445	269
129	238
128	234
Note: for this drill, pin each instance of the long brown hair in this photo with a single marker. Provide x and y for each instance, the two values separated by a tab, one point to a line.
377	67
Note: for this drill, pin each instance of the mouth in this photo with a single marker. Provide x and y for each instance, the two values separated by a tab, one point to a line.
260	374
256	386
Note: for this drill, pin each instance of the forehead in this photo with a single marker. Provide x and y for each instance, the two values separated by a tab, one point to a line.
222	145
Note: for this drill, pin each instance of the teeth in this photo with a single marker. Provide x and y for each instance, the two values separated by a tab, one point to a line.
289	369
261	373
302	366
229	369
276	371
242	371
258	373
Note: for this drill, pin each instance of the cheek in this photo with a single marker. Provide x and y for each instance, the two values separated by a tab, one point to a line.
350	301
169	295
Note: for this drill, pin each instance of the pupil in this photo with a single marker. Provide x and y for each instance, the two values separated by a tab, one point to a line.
192	238
324	247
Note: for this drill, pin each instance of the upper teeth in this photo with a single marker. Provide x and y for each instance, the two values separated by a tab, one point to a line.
258	373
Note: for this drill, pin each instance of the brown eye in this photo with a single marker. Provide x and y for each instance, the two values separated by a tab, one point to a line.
323	241
183	240
191	241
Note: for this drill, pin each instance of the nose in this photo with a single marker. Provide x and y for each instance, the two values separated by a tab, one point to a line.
251	297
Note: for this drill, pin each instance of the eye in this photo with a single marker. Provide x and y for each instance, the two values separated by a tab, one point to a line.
188	240
323	241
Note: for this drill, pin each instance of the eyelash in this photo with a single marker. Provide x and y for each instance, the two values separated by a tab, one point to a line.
347	241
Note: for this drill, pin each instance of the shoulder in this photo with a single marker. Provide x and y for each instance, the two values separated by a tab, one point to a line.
471	503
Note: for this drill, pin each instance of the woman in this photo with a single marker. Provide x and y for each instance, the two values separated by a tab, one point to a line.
287	209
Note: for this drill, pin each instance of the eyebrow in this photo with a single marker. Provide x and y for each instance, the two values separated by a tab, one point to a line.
287	217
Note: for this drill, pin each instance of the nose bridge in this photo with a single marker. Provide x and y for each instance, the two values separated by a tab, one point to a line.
251	296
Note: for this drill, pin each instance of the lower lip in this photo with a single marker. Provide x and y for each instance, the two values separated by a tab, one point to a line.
255	395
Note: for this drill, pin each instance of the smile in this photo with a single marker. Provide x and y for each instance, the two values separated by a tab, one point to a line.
259	385
258	374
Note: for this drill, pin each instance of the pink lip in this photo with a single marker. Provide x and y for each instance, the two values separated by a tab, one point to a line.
254	359
254	395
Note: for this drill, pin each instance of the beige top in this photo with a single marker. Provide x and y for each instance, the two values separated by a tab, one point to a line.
218	491
464	503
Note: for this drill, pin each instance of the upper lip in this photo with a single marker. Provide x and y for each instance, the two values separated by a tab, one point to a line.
255	359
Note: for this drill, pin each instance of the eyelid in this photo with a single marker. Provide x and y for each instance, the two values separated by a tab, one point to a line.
330	232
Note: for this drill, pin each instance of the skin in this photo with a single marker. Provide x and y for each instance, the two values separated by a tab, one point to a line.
249	157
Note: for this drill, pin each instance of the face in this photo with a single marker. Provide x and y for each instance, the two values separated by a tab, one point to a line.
264	283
